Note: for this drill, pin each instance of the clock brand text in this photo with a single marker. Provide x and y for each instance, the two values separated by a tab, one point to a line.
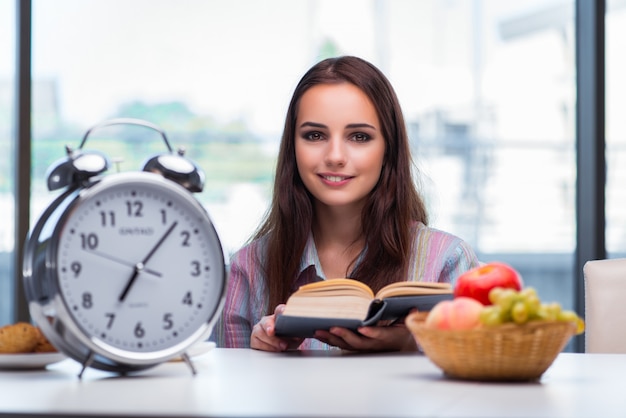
136	231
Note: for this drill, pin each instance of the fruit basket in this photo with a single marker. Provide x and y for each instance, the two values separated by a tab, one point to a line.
507	352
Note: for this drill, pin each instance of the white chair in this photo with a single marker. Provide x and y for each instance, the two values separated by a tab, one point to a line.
605	306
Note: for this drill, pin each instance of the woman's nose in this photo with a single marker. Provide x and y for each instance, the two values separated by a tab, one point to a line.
336	153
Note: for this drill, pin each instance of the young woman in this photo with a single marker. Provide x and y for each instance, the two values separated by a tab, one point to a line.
344	205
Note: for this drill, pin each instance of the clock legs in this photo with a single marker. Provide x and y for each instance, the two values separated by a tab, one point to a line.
189	363
86	363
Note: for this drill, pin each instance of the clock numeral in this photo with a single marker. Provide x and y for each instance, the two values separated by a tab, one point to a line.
134	208
186	235
111	317
89	241
107	218
187	299
76	267
195	268
87	300
163	216
139	331
168	323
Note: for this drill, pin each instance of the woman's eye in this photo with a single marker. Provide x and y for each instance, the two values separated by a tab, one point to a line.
361	137
313	136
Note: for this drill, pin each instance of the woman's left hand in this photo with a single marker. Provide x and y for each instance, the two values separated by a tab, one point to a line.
395	337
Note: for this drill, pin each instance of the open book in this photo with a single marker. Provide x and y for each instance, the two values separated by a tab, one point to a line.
350	304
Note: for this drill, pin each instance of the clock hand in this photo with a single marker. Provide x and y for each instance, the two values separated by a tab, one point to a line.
123	262
140	266
132	279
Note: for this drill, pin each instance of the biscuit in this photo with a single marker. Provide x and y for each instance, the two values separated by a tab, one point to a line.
21	337
43	345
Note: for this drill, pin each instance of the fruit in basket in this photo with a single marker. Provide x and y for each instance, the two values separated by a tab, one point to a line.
478	282
520	307
457	314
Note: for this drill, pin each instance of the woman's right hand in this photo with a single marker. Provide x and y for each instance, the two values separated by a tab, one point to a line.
264	338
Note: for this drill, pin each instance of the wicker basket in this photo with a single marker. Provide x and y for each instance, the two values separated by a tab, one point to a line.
508	352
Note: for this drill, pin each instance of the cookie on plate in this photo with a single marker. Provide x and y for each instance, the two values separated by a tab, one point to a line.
20	337
43	345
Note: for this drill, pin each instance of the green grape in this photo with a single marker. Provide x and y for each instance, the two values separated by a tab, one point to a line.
567	316
580	326
495	294
541	314
532	303
552	311
519	312
527	292
506	299
491	316
571	316
510	305
505	315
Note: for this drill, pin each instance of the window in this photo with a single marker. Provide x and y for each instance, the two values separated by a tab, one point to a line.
487	87
493	106
7	195
615	130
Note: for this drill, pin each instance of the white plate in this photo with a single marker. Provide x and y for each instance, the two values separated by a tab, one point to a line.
29	360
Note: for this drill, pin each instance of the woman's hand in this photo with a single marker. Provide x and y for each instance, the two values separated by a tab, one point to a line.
264	338
395	337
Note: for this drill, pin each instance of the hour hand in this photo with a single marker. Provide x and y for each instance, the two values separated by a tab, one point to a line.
130	282
140	266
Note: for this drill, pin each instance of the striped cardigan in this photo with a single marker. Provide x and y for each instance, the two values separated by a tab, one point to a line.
437	257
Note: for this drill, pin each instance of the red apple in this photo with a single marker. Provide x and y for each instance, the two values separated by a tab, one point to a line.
478	282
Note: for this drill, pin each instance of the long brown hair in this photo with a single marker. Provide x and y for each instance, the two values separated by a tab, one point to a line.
393	205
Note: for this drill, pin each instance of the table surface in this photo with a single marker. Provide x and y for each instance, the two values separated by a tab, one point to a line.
249	383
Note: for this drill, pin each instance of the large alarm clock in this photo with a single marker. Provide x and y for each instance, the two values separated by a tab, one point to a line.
124	271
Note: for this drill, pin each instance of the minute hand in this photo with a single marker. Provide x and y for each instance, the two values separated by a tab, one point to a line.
139	266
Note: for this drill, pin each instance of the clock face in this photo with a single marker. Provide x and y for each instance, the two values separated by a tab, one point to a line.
140	268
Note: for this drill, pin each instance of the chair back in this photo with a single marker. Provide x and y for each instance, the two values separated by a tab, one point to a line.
605	306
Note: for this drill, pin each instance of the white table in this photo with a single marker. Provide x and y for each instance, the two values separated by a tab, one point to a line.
249	383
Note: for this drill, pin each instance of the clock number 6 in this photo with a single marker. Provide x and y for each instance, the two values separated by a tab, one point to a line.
140	332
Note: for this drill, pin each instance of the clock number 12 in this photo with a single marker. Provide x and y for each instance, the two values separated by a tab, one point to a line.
134	208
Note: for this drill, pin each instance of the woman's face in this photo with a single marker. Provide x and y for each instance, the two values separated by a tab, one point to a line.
339	145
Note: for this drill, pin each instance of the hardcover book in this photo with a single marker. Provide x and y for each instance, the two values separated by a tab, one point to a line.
351	304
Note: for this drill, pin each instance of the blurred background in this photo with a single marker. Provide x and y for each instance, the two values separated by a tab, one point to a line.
488	88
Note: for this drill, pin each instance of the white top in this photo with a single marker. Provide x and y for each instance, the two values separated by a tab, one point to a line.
248	383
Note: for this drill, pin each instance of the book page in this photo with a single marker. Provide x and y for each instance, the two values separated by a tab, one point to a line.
352	307
336	287
414	288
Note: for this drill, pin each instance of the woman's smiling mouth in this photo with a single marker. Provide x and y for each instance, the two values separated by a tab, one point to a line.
334	179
